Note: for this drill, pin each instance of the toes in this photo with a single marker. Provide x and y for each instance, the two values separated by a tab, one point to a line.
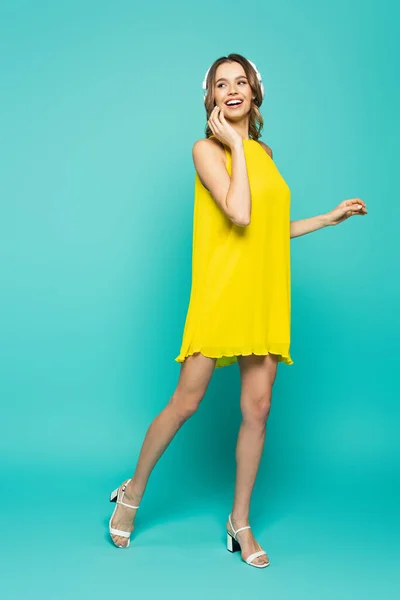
120	541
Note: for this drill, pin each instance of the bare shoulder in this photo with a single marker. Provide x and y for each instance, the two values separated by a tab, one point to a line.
208	147
267	149
208	143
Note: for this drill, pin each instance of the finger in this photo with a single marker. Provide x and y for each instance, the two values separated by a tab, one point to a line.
217	115
211	122
213	114
213	127
222	117
352	201
216	129
217	123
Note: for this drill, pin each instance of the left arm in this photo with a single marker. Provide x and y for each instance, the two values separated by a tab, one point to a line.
304	226
340	213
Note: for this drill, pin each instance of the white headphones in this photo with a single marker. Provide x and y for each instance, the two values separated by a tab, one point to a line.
254	67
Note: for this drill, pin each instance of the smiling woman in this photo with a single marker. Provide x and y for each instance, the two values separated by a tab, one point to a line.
248	78
239	309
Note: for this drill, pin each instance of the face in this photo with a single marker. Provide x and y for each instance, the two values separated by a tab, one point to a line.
231	83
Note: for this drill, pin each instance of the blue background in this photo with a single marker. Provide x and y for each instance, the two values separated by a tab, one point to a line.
101	103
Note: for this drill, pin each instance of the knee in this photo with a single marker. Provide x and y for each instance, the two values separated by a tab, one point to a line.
184	405
256	410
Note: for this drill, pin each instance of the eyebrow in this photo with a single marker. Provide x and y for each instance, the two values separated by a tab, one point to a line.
224	78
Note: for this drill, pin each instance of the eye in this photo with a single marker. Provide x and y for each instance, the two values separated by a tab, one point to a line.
242	81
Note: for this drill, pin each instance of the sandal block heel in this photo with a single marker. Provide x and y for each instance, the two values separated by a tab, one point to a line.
114	495
232	544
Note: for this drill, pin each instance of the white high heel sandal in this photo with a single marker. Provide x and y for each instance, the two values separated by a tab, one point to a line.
117	496
233	545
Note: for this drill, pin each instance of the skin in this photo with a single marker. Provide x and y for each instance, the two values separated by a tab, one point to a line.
257	373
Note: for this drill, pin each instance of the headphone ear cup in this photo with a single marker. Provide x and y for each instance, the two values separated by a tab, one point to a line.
258	77
204	85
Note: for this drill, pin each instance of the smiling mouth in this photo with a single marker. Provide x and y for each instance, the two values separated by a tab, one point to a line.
234	105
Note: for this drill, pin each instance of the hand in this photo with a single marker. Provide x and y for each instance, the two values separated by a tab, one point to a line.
221	128
346	209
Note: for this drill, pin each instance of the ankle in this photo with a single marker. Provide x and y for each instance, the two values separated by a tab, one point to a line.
239	519
132	494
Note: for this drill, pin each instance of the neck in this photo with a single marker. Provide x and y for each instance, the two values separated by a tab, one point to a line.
241	127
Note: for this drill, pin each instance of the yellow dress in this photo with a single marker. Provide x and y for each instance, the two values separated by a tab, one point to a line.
240	294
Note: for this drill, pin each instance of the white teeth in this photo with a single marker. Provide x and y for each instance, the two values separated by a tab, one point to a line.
234	103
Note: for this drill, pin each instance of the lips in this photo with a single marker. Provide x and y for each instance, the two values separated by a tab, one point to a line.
234	100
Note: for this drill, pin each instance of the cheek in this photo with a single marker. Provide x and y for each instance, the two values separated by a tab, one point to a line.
217	96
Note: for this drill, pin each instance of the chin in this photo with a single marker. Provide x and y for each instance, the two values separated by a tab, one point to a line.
243	111
237	116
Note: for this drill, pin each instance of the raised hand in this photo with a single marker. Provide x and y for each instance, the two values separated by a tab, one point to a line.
221	128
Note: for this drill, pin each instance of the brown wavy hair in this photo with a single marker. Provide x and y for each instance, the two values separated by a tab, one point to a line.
256	122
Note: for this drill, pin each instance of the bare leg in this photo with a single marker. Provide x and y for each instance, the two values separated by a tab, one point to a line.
194	378
257	376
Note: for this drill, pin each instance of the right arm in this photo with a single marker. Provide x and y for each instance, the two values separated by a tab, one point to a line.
232	194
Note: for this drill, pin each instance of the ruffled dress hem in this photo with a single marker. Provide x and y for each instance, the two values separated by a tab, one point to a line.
229	357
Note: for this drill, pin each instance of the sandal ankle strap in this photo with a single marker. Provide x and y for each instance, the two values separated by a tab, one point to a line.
125	504
237	530
123	488
241	529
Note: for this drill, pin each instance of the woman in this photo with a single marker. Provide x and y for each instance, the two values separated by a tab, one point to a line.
239	309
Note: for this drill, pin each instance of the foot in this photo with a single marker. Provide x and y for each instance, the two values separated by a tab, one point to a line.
124	516
247	541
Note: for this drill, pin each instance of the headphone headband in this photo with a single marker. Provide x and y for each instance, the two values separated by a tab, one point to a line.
204	86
